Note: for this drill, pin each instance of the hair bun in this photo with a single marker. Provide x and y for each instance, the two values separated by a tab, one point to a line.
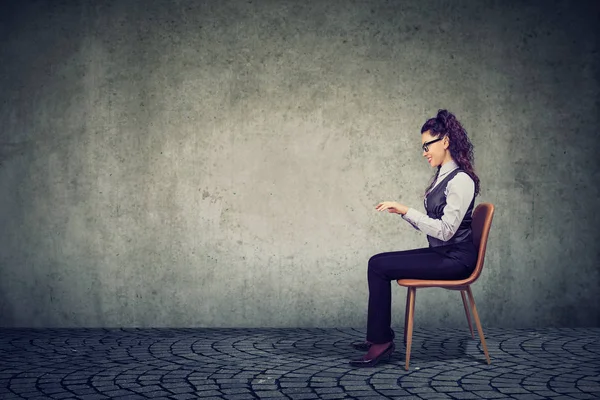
442	115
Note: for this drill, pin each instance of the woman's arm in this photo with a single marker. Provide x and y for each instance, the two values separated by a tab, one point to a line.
410	222
460	191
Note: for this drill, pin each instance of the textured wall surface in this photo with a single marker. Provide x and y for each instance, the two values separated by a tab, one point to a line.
217	163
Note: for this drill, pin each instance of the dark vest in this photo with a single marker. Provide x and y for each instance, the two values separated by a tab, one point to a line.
435	201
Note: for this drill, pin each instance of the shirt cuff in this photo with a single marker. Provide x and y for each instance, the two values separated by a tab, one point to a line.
412	215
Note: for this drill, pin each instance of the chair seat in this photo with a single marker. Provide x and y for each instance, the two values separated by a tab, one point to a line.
422	283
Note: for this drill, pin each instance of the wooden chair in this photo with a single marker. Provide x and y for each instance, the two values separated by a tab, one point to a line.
482	221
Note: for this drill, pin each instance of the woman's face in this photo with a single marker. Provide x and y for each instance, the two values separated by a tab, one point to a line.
436	152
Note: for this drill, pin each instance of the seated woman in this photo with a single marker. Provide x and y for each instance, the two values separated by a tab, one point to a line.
451	253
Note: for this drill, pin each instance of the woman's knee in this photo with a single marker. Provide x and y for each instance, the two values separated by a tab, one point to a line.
377	257
373	259
374	265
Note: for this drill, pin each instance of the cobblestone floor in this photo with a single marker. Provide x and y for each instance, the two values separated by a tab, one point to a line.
294	364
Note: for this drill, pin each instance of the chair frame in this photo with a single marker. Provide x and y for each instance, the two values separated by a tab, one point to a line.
482	221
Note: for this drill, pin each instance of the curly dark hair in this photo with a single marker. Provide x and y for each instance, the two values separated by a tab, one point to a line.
461	149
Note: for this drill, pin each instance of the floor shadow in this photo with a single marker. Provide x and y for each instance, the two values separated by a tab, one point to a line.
425	348
440	347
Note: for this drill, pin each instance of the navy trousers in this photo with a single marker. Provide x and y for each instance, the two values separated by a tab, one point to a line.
454	261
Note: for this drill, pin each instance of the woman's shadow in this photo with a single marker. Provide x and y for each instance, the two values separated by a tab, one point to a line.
427	346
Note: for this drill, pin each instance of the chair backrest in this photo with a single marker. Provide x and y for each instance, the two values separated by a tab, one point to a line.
480	227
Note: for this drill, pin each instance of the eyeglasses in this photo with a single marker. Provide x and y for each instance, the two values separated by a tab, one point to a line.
426	144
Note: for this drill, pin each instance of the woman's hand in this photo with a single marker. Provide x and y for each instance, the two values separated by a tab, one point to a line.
392	207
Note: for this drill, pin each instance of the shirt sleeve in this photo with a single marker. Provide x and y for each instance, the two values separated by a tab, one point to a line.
459	194
409	221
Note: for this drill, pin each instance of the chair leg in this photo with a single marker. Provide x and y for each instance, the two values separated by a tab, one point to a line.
406	313
464	299
412	293
478	323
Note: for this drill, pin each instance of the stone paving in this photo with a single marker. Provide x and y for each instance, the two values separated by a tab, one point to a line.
294	364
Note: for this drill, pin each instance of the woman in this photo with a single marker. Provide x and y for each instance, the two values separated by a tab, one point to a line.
451	253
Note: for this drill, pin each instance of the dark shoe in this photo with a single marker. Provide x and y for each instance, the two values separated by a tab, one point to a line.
386	354
362	346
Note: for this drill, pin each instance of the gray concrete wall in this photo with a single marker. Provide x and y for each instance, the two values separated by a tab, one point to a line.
217	163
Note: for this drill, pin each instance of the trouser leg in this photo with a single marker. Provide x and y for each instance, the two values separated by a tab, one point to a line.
383	268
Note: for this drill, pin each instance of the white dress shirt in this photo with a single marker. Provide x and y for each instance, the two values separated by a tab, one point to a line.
459	194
